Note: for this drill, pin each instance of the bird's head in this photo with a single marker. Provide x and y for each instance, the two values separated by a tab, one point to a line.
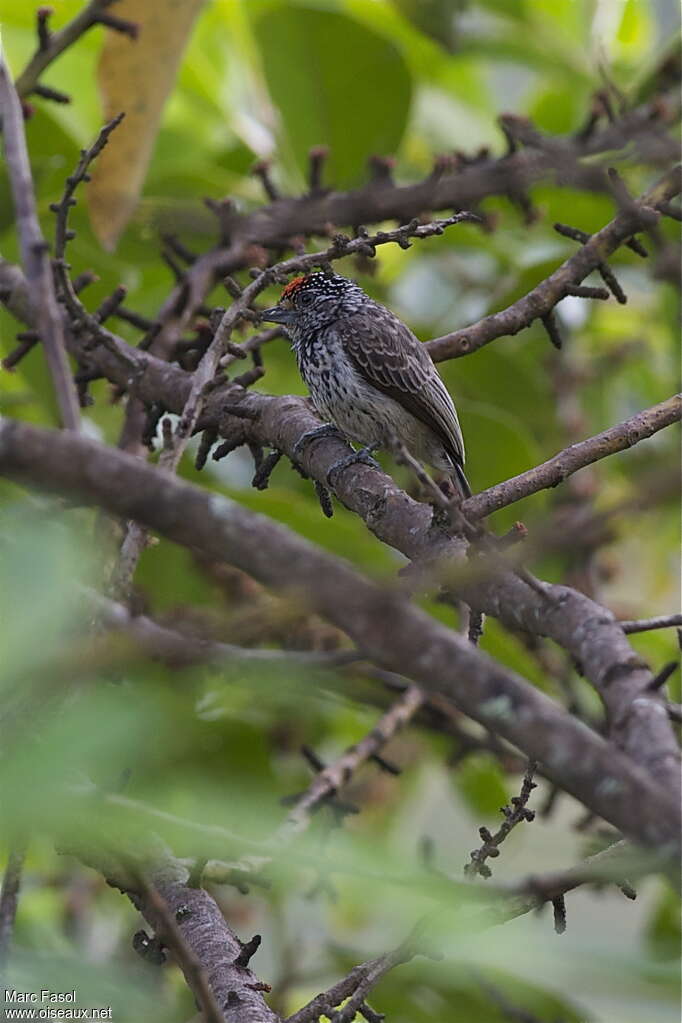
312	301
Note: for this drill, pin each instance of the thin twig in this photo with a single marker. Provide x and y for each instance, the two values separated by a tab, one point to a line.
508	1011
76	178
34	251
674	711
329	780
79	315
9	898
610	866
354	987
180	649
647	624
52	45
556	469
542	299
513	815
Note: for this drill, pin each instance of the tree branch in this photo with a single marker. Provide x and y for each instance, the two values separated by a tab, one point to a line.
515	814
191	923
52	45
646	624
592	637
181	649
168	930
610	866
332	778
34	252
462	184
613	865
584	628
558	468
9	898
397	635
641	214
355	987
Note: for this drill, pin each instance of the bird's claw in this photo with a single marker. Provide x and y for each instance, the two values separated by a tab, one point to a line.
328	430
361	457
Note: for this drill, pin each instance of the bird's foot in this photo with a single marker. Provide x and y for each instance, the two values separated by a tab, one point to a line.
362	457
328	430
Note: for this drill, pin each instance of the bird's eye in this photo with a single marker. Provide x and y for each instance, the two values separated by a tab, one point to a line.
306	298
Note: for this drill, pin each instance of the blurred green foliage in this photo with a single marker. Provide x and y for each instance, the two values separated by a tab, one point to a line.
410	79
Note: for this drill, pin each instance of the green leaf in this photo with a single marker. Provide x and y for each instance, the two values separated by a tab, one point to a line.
436	18
322	70
662	932
635	28
42	554
481	784
559	110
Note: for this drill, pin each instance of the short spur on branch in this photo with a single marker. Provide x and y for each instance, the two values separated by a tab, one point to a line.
368	375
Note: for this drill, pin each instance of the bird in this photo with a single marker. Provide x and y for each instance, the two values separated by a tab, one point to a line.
369	377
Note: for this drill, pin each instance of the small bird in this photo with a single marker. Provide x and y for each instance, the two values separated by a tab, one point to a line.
368	375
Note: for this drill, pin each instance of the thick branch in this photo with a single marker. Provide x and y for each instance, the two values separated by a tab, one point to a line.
169	931
584	628
397	635
459	186
206	948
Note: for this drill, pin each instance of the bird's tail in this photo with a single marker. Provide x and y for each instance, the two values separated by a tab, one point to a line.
460	481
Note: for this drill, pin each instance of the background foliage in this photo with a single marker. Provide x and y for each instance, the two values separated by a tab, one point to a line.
410	79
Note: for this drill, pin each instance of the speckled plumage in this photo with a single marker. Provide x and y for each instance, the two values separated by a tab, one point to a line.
368	374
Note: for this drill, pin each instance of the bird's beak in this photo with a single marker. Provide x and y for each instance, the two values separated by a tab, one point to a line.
277	315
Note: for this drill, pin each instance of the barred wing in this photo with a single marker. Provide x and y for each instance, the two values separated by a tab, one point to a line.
388	355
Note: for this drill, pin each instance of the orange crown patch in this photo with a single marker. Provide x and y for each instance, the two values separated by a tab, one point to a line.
292	286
